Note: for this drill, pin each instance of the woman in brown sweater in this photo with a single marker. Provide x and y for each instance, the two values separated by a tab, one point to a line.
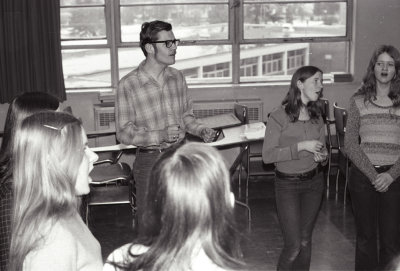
372	143
294	141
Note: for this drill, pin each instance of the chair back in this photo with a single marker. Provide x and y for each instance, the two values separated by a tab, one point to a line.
340	115
241	112
324	105
325	114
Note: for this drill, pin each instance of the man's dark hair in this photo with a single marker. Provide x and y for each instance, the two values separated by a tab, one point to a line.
150	31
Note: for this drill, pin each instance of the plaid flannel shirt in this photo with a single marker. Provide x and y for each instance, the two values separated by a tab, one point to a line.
6	200
144	109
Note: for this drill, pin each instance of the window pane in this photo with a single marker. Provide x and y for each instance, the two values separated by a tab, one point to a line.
83	23
133	2
196	62
200	63
81	2
86	68
301	1
258	62
129	59
294	20
189	22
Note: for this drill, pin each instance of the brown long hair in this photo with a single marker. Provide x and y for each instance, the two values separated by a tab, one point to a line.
293	102
368	87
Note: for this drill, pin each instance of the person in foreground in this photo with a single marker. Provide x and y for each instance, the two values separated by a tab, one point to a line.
372	142
189	221
152	108
22	106
295	142
51	168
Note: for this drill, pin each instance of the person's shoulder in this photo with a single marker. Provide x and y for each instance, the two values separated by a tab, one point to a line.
131	77
279	115
357	100
55	251
60	233
357	97
57	240
174	72
278	111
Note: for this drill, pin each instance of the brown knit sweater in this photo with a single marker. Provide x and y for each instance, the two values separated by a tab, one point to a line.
373	137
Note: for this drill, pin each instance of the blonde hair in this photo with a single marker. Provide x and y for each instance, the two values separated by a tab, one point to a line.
48	151
188	204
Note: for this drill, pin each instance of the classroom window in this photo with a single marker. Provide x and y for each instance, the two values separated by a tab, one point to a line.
222	41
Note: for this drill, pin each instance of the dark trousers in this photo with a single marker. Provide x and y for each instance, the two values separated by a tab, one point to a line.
377	217
298	203
141	173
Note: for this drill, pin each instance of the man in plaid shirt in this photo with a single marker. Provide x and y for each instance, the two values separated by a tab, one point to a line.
152	108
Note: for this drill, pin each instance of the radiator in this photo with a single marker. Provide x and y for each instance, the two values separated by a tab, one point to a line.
104	117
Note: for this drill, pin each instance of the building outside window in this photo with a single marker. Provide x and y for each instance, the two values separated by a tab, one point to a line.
272	64
222	41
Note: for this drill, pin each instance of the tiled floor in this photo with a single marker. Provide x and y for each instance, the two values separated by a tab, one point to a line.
333	239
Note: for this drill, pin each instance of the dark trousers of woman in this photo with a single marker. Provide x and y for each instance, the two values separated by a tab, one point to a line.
377	216
298	203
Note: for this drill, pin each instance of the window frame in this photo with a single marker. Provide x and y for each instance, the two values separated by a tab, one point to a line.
112	10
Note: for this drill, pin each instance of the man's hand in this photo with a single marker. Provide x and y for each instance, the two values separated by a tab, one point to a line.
383	182
208	134
172	133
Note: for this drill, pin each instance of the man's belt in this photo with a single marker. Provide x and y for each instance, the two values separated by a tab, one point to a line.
158	149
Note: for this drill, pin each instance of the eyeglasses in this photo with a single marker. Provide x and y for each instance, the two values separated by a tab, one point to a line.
168	43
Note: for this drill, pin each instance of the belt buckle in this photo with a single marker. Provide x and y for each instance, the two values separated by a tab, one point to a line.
304	176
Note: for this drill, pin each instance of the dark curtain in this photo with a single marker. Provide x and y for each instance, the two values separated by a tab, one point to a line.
30	48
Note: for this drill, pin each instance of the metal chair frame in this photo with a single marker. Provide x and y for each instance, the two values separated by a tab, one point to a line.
340	115
331	141
252	150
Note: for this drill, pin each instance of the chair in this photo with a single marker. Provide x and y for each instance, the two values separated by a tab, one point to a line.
111	184
331	141
112	181
253	163
340	115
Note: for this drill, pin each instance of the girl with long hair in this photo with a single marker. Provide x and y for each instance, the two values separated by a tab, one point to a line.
295	142
51	168
22	106
189	221
372	142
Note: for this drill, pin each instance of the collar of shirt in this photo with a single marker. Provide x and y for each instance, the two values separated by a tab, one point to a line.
145	78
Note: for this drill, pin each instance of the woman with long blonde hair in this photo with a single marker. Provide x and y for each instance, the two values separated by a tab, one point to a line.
189	222
51	168
21	107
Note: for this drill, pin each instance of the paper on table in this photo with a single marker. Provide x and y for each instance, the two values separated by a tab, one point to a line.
254	131
220	121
